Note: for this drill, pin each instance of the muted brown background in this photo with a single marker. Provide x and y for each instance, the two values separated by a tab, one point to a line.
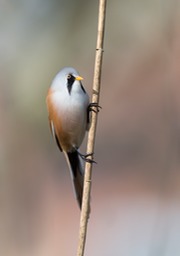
135	190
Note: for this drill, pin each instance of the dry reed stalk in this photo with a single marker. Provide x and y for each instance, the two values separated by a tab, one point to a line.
92	132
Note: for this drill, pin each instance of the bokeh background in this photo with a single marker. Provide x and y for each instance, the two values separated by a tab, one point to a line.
136	183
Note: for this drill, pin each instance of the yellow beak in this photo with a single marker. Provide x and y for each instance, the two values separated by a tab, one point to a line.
79	78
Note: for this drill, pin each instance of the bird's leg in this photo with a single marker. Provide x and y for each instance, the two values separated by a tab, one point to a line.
94	107
85	157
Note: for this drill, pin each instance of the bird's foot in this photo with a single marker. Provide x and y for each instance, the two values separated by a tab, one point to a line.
86	159
94	107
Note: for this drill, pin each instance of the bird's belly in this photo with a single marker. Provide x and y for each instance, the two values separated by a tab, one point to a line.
72	119
74	126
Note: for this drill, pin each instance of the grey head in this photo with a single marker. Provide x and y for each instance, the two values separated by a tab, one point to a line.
66	76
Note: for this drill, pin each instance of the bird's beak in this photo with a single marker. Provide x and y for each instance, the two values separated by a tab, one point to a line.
79	78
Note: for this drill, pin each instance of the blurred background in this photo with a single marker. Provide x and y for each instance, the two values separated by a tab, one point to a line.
136	183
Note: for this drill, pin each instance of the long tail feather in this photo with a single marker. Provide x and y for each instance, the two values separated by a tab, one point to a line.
77	173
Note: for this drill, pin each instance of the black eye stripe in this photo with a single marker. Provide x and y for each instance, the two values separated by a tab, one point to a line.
83	88
70	81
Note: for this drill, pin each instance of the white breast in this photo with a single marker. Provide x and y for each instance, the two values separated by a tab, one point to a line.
72	112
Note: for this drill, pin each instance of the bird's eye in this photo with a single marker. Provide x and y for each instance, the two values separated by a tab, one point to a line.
69	76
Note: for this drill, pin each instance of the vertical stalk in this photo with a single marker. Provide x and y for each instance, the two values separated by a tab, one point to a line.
92	132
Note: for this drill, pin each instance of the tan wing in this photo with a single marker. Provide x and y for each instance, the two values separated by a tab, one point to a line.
52	118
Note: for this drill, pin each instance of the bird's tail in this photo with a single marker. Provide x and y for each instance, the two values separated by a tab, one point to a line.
77	173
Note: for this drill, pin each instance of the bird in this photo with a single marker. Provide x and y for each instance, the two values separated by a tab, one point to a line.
69	118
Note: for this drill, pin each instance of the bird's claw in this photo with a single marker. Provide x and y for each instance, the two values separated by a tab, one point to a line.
94	107
86	159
